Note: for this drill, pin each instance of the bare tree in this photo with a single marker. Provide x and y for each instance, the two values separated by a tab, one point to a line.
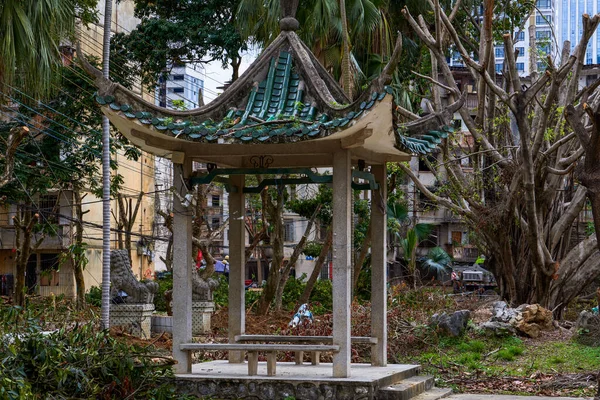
521	200
27	243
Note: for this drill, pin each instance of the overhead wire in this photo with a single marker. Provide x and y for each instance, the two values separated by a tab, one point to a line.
146	42
96	45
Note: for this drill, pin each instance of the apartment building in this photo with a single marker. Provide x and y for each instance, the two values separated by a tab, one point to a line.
45	273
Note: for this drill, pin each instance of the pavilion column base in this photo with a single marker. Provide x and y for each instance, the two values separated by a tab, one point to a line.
135	319
201	315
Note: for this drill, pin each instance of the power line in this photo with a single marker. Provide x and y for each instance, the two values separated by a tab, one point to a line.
94	43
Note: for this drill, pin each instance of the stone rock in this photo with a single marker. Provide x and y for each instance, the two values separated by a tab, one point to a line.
501	312
587	320
498	328
451	325
536	314
531	330
587	329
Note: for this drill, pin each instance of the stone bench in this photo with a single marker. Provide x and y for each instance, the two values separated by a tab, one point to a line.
253	349
299	355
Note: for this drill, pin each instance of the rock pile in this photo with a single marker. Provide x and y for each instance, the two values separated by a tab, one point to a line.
527	319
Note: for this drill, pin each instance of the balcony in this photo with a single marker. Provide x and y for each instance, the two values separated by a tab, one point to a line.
466	253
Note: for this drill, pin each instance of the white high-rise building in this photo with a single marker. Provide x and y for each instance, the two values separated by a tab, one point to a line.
540	24
569	25
181	88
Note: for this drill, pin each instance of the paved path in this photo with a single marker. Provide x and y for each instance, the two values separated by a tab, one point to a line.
507	397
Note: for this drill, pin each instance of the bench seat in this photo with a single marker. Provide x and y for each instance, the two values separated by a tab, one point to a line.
270	349
300	339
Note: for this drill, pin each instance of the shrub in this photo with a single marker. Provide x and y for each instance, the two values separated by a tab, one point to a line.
475	346
94	296
78	362
165	282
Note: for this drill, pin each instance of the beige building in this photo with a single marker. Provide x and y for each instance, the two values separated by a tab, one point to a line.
45	273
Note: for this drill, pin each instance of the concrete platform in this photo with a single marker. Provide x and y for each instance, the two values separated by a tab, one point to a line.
220	379
508	397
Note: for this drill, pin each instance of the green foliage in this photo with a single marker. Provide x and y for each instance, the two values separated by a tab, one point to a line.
510	353
77	362
201	30
221	293
94	296
475	346
437	259
312	249
306	207
363	286
165	282
292	291
590	229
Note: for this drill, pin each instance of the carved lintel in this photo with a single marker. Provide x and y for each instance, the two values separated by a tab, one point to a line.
261	161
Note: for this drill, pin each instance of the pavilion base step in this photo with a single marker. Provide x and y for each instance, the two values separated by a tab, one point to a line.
434	394
406	389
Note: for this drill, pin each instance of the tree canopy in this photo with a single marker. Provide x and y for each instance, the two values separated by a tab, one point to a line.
181	31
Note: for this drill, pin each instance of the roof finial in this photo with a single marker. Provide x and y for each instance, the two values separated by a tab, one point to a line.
288	20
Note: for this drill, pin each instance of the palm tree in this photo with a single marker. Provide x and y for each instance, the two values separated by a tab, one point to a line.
398	217
31	32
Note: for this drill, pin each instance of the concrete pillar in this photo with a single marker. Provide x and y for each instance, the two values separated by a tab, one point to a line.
342	275
237	263
379	267
182	271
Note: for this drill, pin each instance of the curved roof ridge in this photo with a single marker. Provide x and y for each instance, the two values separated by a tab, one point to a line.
239	88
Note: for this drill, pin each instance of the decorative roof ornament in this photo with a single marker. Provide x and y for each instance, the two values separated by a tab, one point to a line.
288	20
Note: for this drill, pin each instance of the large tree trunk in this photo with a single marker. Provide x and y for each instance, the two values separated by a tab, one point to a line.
275	213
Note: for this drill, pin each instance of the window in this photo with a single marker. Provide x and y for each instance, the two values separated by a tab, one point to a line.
49	266
288	234
48	208
216	200
178	77
542	35
498	68
521	51
499	52
325	269
520	36
520	67
544	48
178	90
543	19
543	3
215	223
541	66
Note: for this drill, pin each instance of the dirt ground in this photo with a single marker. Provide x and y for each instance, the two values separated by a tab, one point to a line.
406	344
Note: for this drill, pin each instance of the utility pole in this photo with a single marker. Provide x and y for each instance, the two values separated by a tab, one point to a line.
106	177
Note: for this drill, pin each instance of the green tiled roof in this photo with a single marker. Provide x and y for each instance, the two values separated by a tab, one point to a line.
422	144
276	111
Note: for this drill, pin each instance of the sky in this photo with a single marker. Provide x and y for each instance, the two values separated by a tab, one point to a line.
216	75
